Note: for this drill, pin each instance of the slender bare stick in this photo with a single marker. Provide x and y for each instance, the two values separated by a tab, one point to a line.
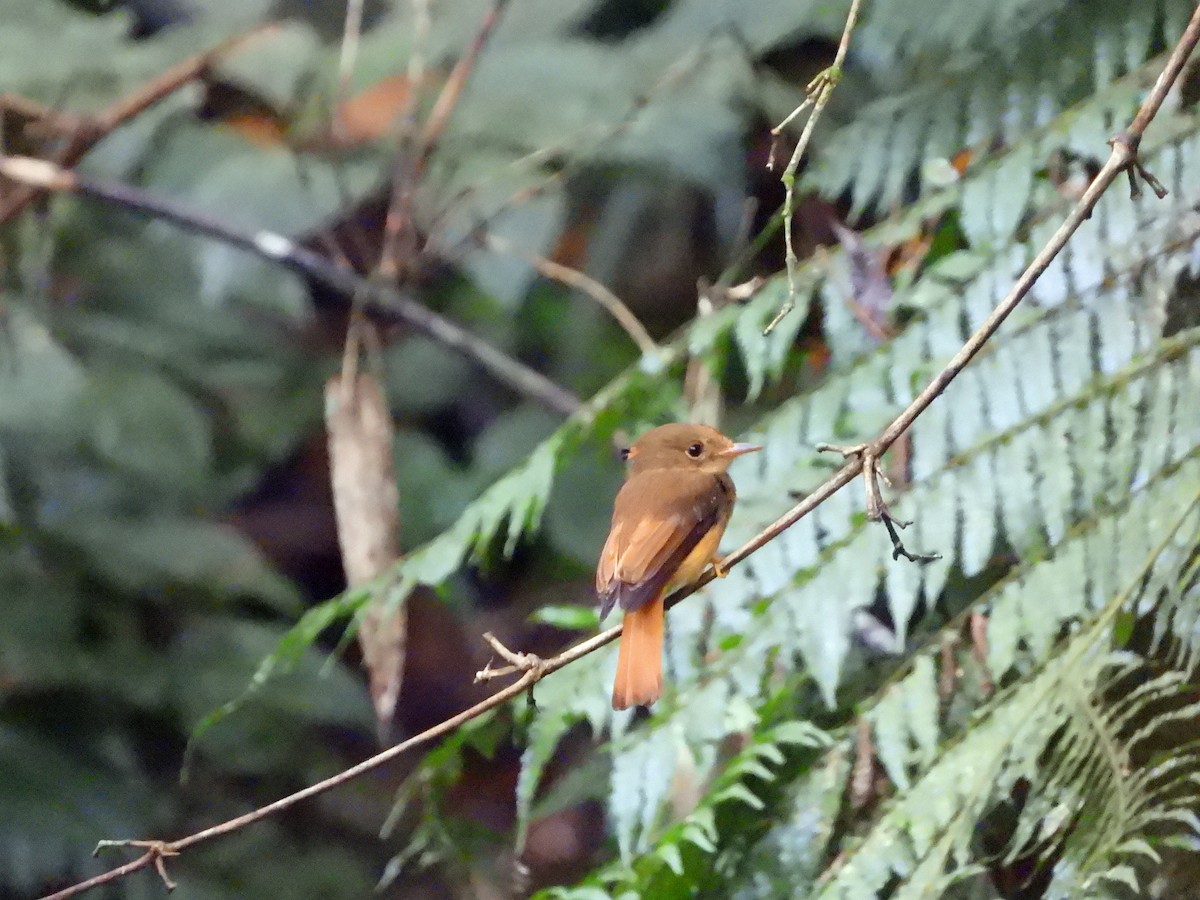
146	859
90	131
381	302
348	54
532	669
580	281
439	116
175	847
819	90
590	135
1122	158
399	234
517	662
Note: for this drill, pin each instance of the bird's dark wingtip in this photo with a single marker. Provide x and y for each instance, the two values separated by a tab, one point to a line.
608	599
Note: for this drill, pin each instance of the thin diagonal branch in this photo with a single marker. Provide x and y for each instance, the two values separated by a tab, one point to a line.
381	302
90	131
580	281
439	116
557	157
819	90
136	865
877	509
399	241
532	670
348	54
517	662
1122	158
399	232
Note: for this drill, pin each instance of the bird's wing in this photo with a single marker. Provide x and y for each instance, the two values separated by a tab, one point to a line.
644	549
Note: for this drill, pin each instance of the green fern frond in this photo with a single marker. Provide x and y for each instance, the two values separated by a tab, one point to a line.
512	506
1066	413
993	85
925	836
799	618
1039	423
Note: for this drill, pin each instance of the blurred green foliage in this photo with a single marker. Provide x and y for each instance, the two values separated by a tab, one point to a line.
156	389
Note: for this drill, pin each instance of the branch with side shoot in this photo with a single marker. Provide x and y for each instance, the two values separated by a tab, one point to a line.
84	133
818	92
379	301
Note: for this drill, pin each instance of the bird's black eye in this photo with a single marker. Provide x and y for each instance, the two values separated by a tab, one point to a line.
624	453
695	450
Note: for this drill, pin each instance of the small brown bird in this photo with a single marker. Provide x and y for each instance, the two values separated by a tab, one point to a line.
667	522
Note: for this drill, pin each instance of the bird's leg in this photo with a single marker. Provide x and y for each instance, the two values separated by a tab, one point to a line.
718	570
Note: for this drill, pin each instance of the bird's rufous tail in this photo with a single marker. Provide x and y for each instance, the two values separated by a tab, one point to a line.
639	659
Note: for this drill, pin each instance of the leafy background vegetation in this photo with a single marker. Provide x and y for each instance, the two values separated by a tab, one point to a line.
1014	719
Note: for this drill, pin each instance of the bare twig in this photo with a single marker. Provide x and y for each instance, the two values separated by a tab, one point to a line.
91	130
348	54
891	523
399	234
557	156
582	282
136	865
435	124
381	302
175	847
157	851
517	662
415	151
877	509
1123	157
818	92
741	293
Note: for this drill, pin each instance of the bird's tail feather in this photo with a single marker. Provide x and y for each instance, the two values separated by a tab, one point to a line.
639	659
